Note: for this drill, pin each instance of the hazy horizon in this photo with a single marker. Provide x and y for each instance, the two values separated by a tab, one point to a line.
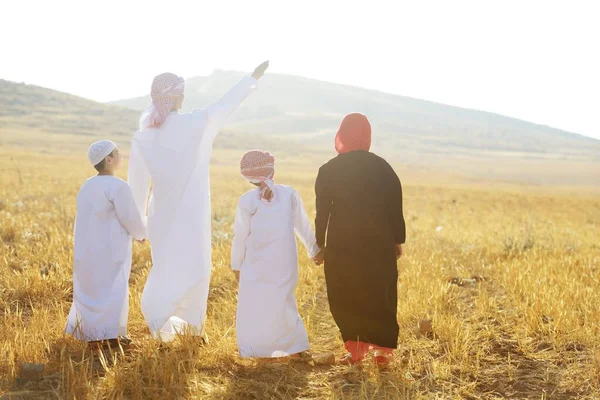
531	61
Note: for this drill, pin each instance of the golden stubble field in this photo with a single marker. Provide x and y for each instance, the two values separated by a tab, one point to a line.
509	275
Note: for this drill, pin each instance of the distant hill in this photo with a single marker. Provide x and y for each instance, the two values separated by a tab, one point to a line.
45	119
33	115
297	118
301	108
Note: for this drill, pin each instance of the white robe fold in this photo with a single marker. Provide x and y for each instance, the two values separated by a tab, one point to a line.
264	251
176	157
107	219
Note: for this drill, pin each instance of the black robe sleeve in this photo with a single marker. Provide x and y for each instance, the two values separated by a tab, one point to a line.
323	208
395	211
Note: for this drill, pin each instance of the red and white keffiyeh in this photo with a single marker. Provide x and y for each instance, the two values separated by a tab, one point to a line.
259	168
166	90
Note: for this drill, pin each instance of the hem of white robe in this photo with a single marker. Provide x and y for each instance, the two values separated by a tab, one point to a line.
295	349
81	335
75	327
176	326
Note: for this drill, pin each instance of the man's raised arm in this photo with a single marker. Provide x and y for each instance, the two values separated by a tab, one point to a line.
217	113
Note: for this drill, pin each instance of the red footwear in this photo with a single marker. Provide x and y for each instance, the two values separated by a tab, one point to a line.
382	358
357	350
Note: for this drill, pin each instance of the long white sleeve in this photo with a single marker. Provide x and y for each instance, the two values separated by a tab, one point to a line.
128	214
303	227
138	178
217	113
241	232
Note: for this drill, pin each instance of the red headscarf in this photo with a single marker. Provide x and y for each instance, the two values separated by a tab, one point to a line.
354	134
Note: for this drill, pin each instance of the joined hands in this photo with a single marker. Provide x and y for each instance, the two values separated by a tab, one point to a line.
319	259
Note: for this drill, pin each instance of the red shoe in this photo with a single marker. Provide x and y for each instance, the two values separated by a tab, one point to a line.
382	358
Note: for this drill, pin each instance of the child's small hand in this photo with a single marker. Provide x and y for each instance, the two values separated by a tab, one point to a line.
141	241
319	259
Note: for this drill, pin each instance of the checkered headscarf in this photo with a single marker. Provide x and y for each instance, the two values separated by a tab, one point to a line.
166	89
259	167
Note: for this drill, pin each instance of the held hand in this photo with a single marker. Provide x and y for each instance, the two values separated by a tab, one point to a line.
319	258
399	251
260	70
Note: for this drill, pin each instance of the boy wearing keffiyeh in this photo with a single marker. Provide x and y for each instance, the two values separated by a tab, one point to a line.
264	256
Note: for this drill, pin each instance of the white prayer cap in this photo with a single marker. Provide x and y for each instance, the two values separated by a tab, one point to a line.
100	150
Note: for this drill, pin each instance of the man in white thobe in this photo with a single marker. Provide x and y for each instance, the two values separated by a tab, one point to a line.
173	150
107	219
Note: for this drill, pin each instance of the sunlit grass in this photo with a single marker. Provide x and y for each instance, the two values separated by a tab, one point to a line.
528	326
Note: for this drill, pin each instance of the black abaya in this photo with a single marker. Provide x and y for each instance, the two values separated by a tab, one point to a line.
360	219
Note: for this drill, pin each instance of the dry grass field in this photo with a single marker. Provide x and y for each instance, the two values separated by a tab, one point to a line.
509	276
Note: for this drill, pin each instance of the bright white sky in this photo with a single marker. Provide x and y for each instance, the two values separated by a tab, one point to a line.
530	59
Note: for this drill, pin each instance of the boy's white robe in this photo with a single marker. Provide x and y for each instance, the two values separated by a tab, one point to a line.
176	157
264	250
107	218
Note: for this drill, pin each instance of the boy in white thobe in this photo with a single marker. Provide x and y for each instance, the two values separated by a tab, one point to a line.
107	219
264	256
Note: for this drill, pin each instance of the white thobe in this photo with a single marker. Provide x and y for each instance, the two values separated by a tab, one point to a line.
264	251
176	157
107	219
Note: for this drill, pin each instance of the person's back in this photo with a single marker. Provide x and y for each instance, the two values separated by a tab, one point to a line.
96	215
358	186
177	159
271	226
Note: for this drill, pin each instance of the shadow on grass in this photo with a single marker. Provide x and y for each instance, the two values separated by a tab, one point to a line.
267	380
70	372
367	381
